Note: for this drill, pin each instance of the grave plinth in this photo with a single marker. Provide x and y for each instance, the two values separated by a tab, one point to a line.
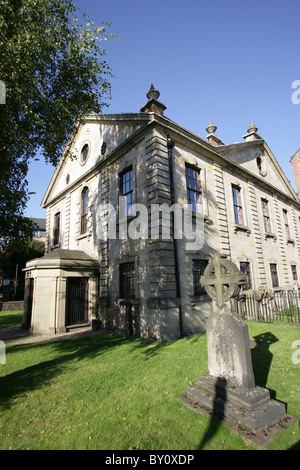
229	390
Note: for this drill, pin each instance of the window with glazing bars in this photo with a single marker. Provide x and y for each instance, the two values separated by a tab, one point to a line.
199	266
84	209
237	205
245	268
294	272
127	190
274	275
126	280
286	223
56	228
193	186
266	215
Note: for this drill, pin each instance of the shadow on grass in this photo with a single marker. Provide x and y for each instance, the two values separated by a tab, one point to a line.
155	347
218	413
262	359
66	351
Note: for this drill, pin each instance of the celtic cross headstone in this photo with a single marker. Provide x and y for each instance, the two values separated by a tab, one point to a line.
229	386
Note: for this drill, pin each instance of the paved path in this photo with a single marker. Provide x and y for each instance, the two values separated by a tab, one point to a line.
16	335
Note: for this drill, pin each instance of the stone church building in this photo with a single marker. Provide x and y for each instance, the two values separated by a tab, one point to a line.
149	286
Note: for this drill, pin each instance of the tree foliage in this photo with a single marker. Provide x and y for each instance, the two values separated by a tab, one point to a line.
55	72
16	255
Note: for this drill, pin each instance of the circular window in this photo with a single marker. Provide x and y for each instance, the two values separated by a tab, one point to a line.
84	153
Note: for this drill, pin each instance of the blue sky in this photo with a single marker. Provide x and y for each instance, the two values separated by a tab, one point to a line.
230	61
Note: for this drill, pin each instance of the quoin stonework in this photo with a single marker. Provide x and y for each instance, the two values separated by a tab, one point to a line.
145	280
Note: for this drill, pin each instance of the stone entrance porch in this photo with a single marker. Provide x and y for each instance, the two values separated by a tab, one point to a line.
46	302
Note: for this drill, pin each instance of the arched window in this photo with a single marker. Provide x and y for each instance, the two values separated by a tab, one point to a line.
84	209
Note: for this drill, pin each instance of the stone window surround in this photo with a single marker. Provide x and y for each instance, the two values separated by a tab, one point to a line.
122	260
196	255
56	210
267	234
294	270
289	240
85	142
193	163
88	233
240	227
250	261
123	168
273	268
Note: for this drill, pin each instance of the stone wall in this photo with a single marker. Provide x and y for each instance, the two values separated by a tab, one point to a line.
13	306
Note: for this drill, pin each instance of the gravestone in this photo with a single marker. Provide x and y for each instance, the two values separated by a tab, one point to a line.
229	390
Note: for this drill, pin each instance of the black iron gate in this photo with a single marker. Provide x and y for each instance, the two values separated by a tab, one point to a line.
77	300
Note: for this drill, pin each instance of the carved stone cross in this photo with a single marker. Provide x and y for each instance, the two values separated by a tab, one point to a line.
229	388
222	280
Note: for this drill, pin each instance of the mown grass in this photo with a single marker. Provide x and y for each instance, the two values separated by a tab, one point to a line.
114	392
8	318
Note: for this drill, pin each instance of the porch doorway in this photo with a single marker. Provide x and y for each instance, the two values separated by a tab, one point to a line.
77	305
30	303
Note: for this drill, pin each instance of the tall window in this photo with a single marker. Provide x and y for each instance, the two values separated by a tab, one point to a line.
84	209
286	223
193	186
56	229
127	190
127	280
237	205
274	275
199	266
294	272
266	215
245	268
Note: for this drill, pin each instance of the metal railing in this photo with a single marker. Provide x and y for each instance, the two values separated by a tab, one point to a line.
279	306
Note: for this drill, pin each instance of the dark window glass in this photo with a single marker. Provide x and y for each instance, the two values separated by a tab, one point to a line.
266	215
84	209
193	186
274	275
198	271
237	205
245	268
56	229
127	281
127	190
286	223
294	272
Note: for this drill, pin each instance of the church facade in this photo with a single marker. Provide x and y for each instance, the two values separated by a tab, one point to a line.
107	266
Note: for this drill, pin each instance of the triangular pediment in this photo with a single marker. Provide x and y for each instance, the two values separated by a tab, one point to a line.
258	160
94	140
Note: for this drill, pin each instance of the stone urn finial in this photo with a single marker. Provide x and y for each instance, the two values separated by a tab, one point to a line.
252	128
152	93
211	128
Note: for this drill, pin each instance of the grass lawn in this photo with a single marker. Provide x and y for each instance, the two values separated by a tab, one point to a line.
113	392
8	318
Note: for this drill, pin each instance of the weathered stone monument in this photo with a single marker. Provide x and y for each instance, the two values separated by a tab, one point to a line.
229	388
